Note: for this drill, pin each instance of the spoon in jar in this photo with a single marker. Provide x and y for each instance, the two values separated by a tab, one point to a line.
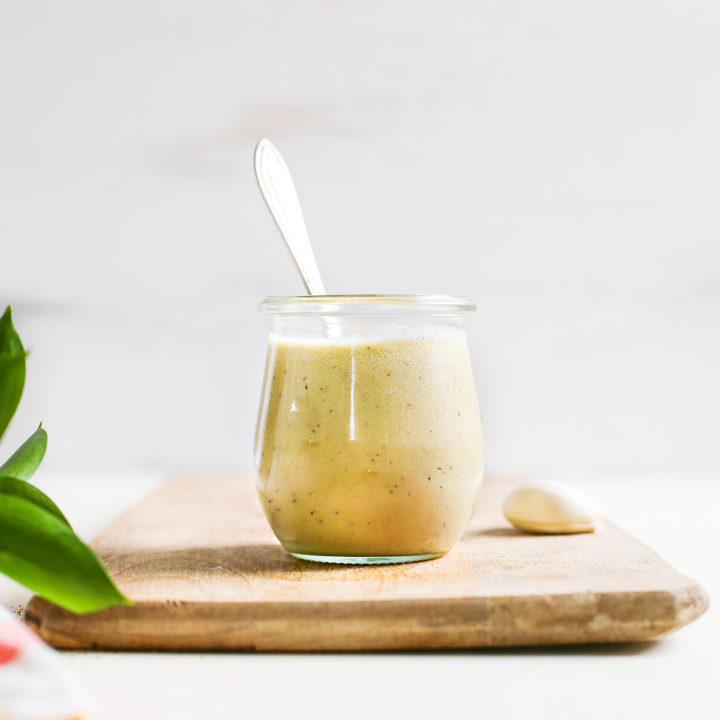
279	192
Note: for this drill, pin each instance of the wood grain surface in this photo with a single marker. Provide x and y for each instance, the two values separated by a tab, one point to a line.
205	573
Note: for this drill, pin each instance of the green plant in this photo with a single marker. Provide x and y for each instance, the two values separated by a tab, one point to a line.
38	547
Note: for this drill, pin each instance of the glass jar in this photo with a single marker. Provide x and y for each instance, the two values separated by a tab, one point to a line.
369	442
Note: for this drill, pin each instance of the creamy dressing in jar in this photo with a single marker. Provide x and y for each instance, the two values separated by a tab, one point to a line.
369	445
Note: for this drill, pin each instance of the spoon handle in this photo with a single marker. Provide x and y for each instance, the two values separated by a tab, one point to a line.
277	188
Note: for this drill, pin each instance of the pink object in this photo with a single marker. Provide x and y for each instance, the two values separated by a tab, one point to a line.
13	638
36	682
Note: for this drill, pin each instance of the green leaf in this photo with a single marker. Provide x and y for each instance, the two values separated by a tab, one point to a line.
12	369
15	486
25	460
41	552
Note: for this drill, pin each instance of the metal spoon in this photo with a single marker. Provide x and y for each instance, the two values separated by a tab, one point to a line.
277	188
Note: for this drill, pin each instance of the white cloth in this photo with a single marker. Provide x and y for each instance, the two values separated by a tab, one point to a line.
35	680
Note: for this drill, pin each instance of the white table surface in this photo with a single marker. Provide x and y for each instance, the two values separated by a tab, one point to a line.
674	677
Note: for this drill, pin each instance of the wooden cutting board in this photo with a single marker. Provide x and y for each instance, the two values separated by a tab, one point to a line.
206	573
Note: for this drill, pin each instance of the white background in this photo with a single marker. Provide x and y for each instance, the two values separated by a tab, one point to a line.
557	161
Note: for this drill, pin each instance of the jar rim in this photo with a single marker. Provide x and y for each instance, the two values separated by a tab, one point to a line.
324	304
